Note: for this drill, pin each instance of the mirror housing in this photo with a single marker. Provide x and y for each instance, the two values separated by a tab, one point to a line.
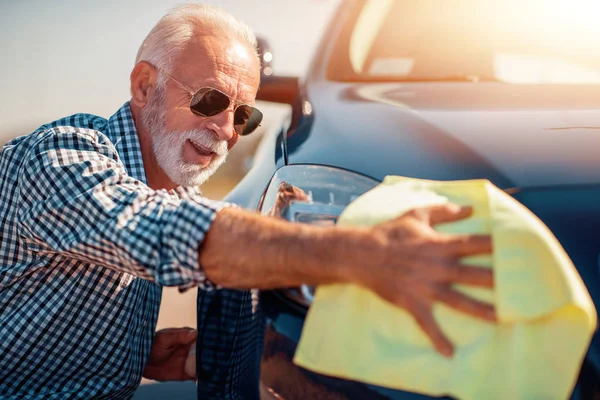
278	89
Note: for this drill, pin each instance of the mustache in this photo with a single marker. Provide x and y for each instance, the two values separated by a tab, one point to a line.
203	138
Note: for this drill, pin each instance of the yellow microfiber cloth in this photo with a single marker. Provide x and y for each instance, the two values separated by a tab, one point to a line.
546	316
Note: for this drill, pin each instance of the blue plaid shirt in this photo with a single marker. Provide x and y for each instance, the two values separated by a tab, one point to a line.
78	227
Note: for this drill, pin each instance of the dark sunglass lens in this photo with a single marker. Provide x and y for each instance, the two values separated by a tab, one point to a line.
210	102
246	119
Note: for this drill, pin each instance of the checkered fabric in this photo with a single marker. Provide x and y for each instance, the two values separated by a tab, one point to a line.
229	349
78	227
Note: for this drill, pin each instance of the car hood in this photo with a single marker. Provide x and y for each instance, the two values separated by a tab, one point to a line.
514	135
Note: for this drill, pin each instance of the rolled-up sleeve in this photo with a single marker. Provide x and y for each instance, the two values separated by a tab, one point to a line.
78	202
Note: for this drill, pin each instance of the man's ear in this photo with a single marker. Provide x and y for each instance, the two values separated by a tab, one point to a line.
143	81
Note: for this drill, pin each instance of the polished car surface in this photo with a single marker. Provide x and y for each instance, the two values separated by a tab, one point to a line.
425	90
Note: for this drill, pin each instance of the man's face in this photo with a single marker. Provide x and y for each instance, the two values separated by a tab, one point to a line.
189	148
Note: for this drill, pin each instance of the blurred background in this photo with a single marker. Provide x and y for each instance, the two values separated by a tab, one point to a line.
75	56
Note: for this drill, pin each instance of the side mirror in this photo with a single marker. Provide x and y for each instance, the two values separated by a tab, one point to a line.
278	89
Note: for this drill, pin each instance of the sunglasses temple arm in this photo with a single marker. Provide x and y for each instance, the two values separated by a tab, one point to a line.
181	85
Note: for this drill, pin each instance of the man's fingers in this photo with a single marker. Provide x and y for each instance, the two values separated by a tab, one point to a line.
457	273
444	213
172	337
190	362
473	276
191	336
469	245
466	304
187	336
180	352
426	321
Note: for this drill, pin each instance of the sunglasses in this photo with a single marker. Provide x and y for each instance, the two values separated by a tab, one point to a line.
207	102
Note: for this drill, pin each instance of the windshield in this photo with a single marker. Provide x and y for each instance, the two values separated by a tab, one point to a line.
513	41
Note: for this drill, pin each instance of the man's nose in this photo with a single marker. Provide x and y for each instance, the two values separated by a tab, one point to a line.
222	125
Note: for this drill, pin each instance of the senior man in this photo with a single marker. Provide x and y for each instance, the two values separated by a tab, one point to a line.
96	215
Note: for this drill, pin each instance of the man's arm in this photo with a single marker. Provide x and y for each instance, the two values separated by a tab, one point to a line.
246	250
405	261
77	201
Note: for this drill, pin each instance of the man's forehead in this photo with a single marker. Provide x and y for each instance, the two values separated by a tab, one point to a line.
223	63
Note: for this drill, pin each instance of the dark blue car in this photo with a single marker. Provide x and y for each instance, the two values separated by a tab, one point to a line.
503	90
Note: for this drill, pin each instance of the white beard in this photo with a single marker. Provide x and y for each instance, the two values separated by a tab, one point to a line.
168	150
168	146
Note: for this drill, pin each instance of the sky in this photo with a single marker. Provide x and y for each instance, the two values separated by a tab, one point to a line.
69	56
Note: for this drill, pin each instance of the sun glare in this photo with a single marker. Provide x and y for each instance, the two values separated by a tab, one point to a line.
516	41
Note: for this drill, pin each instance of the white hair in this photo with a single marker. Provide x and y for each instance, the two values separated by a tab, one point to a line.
172	33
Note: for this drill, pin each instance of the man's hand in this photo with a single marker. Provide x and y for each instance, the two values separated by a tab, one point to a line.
416	267
405	261
168	355
285	195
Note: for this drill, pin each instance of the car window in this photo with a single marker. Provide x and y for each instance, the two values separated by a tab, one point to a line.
514	41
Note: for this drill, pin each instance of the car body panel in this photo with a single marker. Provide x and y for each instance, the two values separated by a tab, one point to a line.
511	134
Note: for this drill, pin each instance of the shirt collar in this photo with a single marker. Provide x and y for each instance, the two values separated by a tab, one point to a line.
122	133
